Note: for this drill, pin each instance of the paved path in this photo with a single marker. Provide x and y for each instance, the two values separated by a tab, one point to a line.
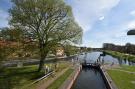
46	84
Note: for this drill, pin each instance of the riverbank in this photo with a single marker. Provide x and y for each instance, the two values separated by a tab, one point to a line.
121	56
122	76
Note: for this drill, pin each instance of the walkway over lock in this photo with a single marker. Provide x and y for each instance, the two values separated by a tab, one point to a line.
88	65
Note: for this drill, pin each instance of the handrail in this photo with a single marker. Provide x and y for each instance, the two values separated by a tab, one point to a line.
39	79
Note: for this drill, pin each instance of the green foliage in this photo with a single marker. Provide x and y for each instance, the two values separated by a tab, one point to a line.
49	21
10	34
70	50
121	55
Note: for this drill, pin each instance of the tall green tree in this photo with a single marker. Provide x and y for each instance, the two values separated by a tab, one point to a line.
50	21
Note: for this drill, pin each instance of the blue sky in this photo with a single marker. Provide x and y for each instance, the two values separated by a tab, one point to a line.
103	21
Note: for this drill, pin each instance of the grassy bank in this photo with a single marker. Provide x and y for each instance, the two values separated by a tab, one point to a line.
121	55
122	79
127	68
15	78
57	83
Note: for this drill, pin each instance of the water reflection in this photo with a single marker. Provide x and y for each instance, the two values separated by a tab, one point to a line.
89	79
93	56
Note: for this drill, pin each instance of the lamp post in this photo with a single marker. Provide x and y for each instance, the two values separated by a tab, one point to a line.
131	32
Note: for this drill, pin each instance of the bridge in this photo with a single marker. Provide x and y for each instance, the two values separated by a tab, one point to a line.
90	65
96	64
97	49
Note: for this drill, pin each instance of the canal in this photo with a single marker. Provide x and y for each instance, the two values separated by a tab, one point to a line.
90	78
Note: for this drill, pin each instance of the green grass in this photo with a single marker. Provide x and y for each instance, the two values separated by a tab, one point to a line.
128	68
57	83
123	80
15	78
121	55
60	67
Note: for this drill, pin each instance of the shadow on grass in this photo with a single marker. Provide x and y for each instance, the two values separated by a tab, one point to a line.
17	77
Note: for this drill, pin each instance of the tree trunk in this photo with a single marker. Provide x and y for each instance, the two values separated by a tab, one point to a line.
43	54
41	64
42	60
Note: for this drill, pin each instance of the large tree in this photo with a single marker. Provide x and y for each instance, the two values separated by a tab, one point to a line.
49	21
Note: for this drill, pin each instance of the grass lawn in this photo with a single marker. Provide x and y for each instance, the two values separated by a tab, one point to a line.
57	83
128	68
14	78
60	67
122	79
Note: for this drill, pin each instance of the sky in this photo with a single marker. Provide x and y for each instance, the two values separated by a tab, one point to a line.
102	21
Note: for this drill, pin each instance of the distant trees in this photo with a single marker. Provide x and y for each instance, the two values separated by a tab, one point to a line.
70	50
11	34
49	21
15	43
128	48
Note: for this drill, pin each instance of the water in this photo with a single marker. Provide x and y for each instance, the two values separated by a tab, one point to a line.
89	79
93	56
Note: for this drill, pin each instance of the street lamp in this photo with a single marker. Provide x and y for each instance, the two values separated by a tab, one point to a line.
131	32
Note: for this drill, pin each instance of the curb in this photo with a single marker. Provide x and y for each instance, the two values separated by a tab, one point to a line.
108	81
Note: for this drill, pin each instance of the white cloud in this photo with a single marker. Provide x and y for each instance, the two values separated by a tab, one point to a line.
132	13
87	12
115	34
131	24
101	18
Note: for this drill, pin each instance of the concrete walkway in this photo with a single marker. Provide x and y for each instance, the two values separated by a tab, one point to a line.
46	84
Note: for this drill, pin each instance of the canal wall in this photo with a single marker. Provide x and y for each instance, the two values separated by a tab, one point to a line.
68	84
72	78
105	78
103	74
